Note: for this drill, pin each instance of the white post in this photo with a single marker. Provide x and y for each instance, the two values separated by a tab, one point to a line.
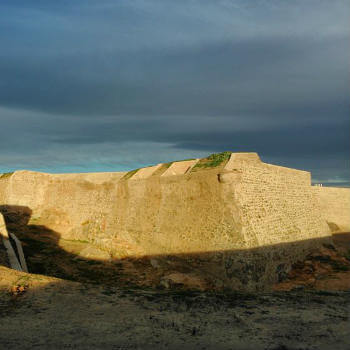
14	263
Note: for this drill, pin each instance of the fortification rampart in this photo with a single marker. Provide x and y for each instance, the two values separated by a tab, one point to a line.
335	206
246	213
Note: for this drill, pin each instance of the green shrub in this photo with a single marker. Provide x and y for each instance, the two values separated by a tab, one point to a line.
6	175
213	160
129	174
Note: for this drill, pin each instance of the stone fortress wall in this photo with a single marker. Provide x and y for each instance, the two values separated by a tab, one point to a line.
249	218
335	206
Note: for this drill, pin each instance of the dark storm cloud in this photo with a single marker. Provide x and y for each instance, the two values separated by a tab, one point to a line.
81	78
257	76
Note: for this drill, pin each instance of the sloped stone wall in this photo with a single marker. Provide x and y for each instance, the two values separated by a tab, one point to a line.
335	206
277	204
73	205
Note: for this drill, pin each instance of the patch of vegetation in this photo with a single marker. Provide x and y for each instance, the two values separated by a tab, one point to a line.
34	220
166	166
6	175
75	240
162	169
129	174
23	280
213	161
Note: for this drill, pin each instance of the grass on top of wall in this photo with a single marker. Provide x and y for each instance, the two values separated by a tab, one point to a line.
165	166
129	174
162	169
6	175
212	161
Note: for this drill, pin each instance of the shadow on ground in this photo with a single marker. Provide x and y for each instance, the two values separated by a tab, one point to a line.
70	302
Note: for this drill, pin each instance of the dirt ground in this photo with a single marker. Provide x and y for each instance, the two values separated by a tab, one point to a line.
99	305
55	314
327	268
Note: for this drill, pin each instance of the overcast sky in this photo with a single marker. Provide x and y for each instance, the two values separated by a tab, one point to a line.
90	85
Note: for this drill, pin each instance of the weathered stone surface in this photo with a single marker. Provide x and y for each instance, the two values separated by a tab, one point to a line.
229	177
144	173
335	206
236	160
180	168
92	252
3	228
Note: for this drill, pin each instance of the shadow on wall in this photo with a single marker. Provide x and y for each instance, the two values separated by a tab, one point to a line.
250	270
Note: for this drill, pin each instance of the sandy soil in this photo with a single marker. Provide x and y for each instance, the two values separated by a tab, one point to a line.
56	314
